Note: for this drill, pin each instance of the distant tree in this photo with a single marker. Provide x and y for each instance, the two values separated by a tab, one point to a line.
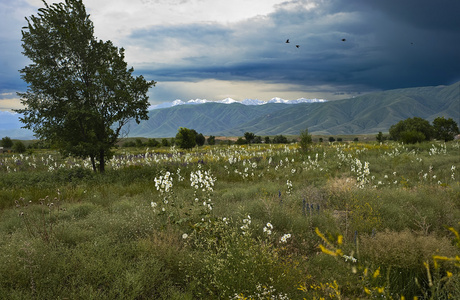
19	147
339	139
445	129
257	140
185	138
410	125
211	140
139	143
7	142
267	140
165	142
305	140
331	139
355	139
320	139
80	92
200	139
153	143
241	141
249	136
280	139
379	137
129	144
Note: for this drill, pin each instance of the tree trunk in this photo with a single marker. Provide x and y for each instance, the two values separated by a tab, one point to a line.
101	161
93	162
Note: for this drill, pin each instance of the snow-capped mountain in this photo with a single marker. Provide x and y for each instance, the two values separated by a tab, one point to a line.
230	100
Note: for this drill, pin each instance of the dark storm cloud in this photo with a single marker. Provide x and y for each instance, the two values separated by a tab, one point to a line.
344	45
388	44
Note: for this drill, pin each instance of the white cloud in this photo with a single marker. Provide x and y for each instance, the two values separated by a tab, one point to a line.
115	19
10	104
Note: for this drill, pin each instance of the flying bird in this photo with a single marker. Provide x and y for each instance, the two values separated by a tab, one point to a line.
287	41
297	46
343	40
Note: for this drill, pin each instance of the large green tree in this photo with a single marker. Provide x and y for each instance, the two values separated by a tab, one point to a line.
445	129
412	130
185	138
80	92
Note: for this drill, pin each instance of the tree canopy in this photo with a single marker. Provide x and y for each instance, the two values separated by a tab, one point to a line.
7	142
412	130
445	129
186	138
416	130
80	92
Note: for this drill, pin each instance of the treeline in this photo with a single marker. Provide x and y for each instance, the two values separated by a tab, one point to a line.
409	131
416	130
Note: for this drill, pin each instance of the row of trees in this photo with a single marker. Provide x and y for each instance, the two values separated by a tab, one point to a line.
251	138
16	146
416	130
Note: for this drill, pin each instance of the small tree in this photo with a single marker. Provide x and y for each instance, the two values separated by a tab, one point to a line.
305	140
80	92
249	136
379	137
7	142
280	139
185	138
139	143
153	143
267	140
241	141
200	139
165	142
211	140
445	129
19	147
331	139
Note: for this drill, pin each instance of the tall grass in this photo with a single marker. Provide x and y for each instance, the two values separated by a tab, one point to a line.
341	221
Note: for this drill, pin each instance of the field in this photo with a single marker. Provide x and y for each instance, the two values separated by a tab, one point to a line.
340	221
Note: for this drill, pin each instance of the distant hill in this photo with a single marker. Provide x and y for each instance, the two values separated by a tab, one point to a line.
366	114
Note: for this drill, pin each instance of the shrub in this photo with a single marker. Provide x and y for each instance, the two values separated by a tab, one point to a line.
280	139
305	140
412	137
19	147
7	142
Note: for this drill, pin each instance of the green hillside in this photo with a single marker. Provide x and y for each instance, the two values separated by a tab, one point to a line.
207	118
366	114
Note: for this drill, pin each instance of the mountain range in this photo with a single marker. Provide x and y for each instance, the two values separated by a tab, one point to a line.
366	114
230	101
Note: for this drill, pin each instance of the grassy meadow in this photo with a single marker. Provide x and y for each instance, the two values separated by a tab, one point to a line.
340	221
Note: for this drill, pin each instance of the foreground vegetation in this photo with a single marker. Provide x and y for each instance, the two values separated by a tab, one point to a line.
341	221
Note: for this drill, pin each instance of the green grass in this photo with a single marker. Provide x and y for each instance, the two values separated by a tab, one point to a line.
66	233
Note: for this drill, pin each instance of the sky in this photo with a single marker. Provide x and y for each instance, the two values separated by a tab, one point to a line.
217	49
